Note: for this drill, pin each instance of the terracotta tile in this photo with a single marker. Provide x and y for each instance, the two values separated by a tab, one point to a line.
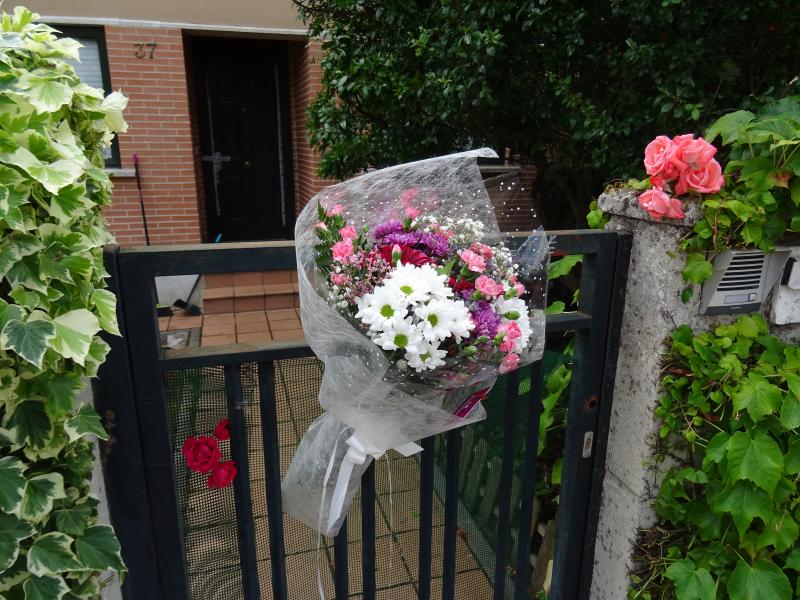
278	288
163	323
251	327
213	280
253	337
246	291
281	315
220	305
249	317
224	328
217	292
185	322
217	340
291	335
178	313
297	300
294	276
296	287
279	301
299	315
270	277
247	278
249	304
284	325
224	317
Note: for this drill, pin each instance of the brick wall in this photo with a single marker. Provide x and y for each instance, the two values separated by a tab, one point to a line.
159	132
304	75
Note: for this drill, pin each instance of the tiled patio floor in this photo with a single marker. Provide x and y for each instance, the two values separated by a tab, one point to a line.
258	326
396	516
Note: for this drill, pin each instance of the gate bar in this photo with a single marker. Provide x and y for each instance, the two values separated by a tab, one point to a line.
451	514
368	533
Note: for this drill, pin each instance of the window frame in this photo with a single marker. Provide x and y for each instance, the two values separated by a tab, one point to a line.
98	34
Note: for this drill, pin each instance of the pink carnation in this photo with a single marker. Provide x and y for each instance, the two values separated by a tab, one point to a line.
488	286
708	180
339	279
348	233
520	289
512	334
342	250
509	363
656	158
659	204
474	262
482	249
334	210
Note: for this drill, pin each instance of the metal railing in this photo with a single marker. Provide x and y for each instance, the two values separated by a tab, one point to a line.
141	474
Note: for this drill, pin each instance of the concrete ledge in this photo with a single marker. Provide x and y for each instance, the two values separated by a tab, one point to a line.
622	202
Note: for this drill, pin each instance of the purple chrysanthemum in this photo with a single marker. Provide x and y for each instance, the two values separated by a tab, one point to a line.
487	321
386	228
437	243
402	238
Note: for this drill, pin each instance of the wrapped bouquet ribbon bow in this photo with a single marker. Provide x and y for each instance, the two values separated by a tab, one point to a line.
415	304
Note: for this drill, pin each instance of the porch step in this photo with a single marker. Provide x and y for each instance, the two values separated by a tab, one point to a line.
249	291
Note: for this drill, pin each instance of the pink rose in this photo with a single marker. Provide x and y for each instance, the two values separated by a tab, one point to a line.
412	213
509	363
474	262
482	249
698	153
675	155
342	250
708	180
488	286
674	210
321	226
338	279
348	233
656	157
655	201
334	210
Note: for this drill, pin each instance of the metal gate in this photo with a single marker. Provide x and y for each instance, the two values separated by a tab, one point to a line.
179	541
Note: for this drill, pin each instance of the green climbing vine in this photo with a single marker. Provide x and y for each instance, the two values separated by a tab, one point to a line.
53	131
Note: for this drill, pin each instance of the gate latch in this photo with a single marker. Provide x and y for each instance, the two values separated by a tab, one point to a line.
588	439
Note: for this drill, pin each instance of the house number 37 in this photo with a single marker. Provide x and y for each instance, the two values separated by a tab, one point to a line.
145	50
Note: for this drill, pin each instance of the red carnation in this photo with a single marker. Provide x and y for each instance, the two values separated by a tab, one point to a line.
223	430
459	285
201	453
408	255
223	474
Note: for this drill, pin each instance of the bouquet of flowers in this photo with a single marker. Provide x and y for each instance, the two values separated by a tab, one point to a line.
415	304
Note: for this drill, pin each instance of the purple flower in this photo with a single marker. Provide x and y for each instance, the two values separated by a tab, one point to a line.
391	226
409	238
487	322
436	242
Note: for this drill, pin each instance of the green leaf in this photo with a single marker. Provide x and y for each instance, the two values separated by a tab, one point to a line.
793	560
31	423
555	308
691	583
73	521
716	449
48	95
53	176
758	459
697	268
40	493
73	334
106	304
761	581
12	483
563	266
729	126
758	396
86	421
747	326
790	412
27	338
70	202
51	553
98	549
13	532
793	381
794	189
781	533
45	588
60	392
744	503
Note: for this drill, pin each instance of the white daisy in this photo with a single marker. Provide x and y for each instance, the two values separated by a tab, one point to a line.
401	335
382	307
429	357
515	307
418	284
436	319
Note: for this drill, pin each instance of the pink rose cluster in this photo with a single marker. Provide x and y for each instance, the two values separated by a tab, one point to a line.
681	165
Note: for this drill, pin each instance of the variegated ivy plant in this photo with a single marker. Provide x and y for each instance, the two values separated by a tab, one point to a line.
53	131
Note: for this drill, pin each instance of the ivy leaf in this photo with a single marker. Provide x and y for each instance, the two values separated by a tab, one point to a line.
31	423
791	461
747	326
744	503
85	421
51	553
781	533
14	531
12	483
53	176
48	95
691	583
106	304
697	268
28	338
60	391
793	381
98	549
40	493
761	581
793	560
562	266
69	203
73	520
73	334
10	312
44	588
758	459
758	396
790	412
715	451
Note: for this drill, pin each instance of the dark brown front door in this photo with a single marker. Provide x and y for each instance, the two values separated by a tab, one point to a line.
241	95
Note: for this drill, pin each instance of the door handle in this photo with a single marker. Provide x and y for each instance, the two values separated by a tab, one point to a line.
248	164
